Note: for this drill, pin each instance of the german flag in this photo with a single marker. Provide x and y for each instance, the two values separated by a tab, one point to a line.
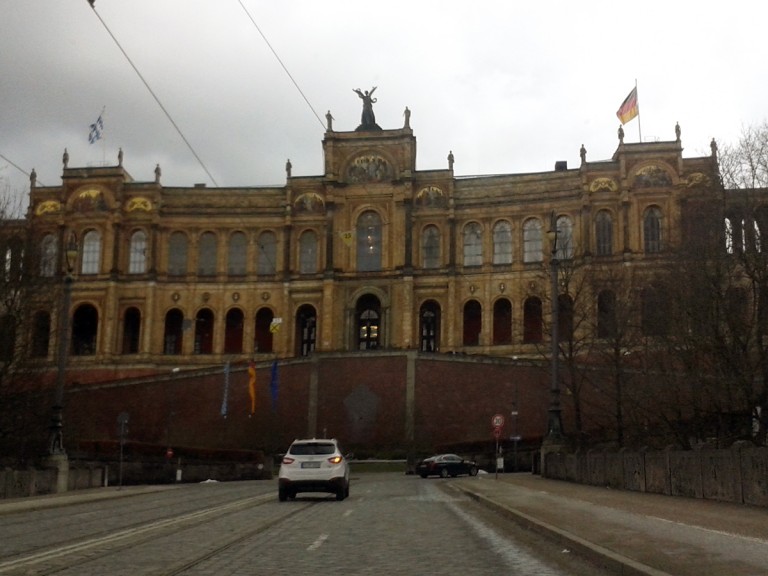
629	108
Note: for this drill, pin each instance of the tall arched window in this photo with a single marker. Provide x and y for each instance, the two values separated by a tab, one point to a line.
7	337
473	323
473	244
532	321
654	313
368	312
41	334
306	330
369	242
204	332
430	247
652	230
85	325
48	254
236	256
266	253
502	322
137	261
564	238
262	336
131	330
429	327
532	240
502	242
206	254
604	233
233	332
91	259
606	314
177	254
173	335
308	252
564	318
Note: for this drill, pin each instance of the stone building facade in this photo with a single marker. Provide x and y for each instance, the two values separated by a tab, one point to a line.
371	254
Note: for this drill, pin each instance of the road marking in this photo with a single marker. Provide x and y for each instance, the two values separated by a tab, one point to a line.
47	555
317	543
347	513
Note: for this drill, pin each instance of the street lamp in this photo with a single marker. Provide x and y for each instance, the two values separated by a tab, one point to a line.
56	441
554	421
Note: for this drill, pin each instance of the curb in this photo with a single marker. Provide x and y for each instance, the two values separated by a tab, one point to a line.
598	555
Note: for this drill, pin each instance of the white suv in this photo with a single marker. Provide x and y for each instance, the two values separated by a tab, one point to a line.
314	465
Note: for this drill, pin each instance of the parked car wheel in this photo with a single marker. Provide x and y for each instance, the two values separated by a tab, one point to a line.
444	473
473	471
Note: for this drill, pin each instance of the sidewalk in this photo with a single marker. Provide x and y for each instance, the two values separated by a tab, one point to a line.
632	532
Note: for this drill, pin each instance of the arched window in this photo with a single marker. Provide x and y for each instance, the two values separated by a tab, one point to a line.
85	324
564	238
131	330
14	256
655	313
204	332
48	254
137	262
652	230
91	259
173	335
532	240
430	247
206	254
177	254
233	332
41	334
368	314
369	242
532	321
502	322
266	253
502	242
564	318
236	257
7	337
308	252
473	323
606	314
473	244
262	338
306	330
604	233
429	327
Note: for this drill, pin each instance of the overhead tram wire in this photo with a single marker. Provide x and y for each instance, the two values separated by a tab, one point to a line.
159	103
19	168
281	62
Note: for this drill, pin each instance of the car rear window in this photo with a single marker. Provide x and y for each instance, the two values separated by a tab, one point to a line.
312	448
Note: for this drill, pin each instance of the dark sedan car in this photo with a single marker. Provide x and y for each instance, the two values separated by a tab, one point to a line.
445	465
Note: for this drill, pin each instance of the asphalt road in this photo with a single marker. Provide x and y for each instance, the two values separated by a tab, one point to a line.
391	524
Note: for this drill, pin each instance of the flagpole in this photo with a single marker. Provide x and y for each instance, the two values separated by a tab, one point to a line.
637	98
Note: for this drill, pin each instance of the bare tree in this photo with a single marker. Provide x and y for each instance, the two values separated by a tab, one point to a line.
19	286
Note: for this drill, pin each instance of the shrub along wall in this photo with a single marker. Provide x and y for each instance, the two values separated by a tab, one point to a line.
734	475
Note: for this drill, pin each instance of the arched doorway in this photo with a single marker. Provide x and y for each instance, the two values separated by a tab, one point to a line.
368	322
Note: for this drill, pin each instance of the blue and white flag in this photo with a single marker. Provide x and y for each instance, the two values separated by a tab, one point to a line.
97	128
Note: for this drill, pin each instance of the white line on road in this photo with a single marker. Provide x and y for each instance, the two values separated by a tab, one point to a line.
317	543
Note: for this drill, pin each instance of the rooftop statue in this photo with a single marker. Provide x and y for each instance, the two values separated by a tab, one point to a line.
368	121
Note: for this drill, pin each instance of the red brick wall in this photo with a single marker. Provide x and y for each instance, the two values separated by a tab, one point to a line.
361	400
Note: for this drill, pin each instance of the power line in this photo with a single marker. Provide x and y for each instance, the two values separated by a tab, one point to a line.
167	115
281	62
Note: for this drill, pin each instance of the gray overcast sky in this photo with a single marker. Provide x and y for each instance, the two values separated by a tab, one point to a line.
508	86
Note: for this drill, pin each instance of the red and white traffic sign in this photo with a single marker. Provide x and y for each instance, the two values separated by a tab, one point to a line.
497	421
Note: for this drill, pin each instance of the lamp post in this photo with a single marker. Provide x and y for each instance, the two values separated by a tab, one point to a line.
56	439
554	421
